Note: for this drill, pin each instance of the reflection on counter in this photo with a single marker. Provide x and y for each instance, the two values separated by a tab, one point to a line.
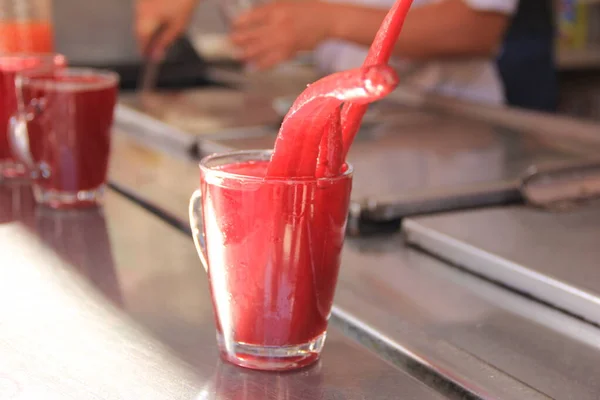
16	203
80	237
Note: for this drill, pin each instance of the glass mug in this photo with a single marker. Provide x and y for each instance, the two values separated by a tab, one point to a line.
26	26
271	248
10	66
231	9
62	132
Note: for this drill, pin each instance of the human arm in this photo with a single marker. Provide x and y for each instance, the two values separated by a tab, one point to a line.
173	15
446	29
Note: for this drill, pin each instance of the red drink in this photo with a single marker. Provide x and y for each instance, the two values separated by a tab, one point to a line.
273	250
269	226
8	105
26	36
69	135
10	65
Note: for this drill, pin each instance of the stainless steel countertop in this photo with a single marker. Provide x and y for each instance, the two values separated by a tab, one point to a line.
96	32
113	304
418	312
415	303
553	256
426	158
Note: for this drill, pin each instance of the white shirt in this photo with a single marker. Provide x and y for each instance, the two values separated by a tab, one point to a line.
475	79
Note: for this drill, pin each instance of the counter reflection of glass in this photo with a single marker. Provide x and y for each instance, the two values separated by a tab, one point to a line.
80	237
230	382
17	203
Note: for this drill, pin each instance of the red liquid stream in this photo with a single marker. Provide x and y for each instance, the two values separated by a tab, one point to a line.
297	144
379	53
300	149
26	37
275	278
71	135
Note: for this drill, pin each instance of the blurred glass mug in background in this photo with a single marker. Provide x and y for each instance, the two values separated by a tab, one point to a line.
231	9
26	26
10	66
62	132
272	249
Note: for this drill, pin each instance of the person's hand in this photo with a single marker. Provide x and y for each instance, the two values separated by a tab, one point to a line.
173	15
270	34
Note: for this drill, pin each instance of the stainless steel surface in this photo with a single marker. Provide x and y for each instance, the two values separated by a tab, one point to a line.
422	314
563	187
113	304
219	112
550	125
475	331
524	121
159	135
96	32
429	154
204	112
428	162
424	162
550	255
137	167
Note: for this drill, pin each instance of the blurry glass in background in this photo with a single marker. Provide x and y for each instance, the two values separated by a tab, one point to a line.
231	9
26	26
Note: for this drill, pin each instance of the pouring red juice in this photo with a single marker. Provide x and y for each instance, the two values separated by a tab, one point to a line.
278	266
269	226
273	243
69	133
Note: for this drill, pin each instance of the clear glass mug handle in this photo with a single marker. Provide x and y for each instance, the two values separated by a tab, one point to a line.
19	136
197	226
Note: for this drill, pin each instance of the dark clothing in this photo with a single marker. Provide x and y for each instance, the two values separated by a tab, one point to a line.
526	63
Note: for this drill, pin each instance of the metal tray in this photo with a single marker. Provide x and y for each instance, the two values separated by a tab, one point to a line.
553	256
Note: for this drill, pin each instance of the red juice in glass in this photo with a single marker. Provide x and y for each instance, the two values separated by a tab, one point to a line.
26	37
10	66
273	252
69	133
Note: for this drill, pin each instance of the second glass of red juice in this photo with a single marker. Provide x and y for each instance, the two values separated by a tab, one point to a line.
10	66
272	249
63	132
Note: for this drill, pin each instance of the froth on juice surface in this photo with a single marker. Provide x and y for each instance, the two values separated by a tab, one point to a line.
26	37
278	244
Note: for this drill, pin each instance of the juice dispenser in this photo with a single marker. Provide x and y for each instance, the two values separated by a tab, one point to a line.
26	26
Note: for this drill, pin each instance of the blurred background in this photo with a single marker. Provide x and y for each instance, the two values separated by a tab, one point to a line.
82	36
578	57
